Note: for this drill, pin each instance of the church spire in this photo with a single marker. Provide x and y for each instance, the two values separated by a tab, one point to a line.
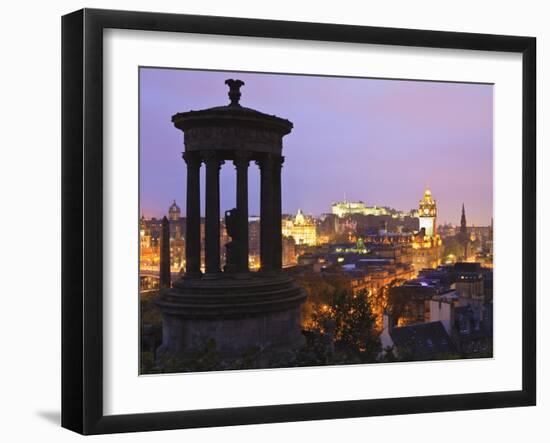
463	236
463	226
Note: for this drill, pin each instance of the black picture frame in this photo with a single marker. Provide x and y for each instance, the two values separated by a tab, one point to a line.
82	190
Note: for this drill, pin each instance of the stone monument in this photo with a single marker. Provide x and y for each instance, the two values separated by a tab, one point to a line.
236	308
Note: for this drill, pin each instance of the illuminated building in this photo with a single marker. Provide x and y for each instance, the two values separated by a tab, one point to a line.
457	297
177	251
427	244
400	252
289	252
343	208
469	280
427	252
144	234
254	243
164	265
177	222
480	233
427	214
174	212
374	280
149	240
347	226
446	230
355	278
301	228
327	227
224	240
489	241
149	252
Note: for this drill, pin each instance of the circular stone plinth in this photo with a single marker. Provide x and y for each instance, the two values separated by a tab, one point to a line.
237	312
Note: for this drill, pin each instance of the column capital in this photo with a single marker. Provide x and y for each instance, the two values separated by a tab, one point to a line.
212	158
266	163
242	159
191	158
278	161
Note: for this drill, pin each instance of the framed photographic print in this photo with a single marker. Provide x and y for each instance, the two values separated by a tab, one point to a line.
270	221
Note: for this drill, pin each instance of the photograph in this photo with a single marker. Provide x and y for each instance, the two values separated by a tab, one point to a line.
246	222
290	220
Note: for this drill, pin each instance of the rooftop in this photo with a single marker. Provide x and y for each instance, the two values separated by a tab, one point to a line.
424	341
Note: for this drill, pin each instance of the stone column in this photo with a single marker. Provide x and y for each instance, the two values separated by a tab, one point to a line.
241	165
164	266
193	222
266	213
212	224
277	213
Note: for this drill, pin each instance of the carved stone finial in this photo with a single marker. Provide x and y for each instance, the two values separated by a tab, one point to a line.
234	91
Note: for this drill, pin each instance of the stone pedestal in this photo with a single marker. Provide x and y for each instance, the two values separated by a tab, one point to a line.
237	313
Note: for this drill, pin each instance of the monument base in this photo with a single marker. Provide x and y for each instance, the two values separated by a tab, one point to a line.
238	313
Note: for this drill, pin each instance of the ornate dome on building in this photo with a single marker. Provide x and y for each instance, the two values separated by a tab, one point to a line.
427	207
174	211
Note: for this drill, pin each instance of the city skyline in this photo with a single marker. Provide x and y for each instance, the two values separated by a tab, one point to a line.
379	141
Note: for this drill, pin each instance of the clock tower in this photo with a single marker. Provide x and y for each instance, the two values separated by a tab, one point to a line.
174	212
427	213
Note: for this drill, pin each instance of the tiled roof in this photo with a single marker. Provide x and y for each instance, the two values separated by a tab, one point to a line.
423	341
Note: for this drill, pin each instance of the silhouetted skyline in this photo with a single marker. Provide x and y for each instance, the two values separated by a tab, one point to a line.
379	141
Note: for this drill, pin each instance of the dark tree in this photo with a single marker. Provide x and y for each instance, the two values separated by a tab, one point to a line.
350	320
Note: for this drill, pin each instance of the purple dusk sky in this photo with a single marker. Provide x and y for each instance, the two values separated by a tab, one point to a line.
379	141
